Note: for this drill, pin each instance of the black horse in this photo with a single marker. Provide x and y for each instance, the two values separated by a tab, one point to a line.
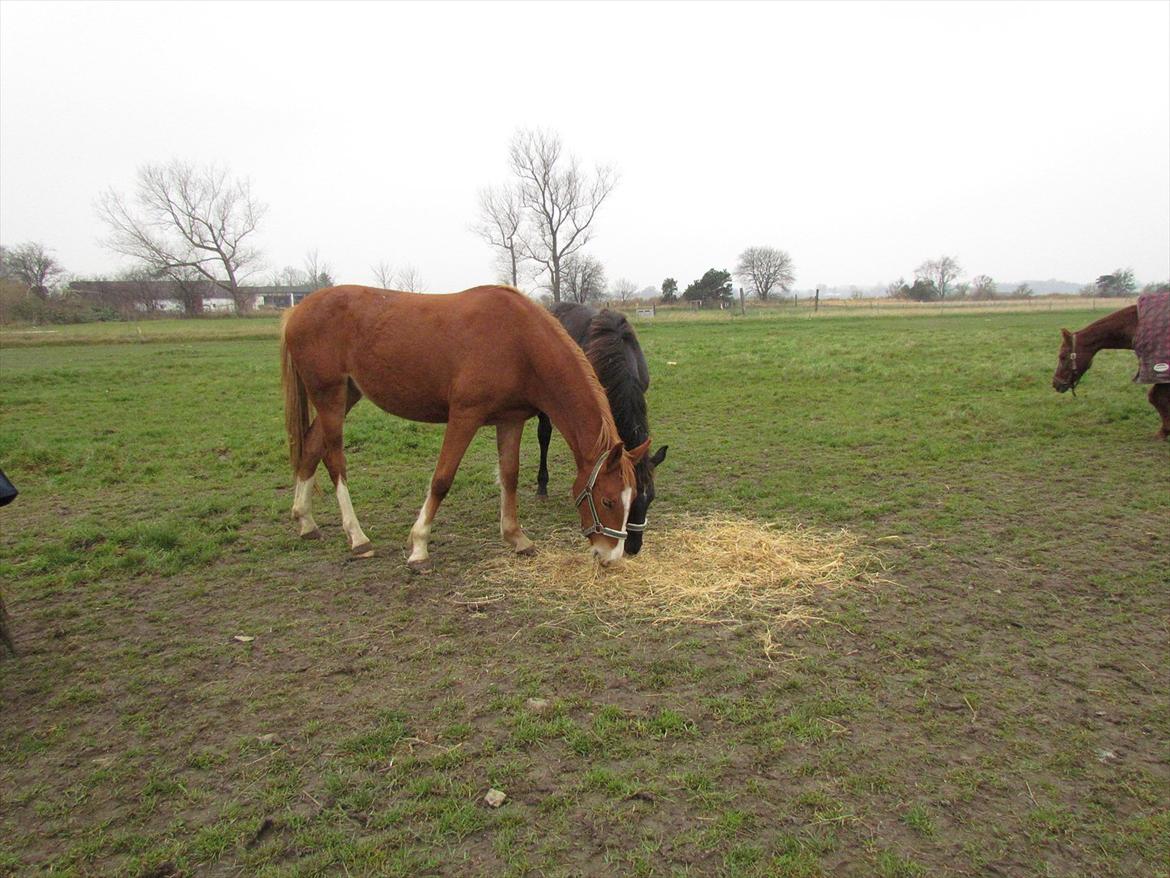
612	347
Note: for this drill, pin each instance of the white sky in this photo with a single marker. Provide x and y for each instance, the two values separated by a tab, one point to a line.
1029	140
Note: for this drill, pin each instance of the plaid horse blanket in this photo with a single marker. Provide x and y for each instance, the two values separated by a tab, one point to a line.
1151	342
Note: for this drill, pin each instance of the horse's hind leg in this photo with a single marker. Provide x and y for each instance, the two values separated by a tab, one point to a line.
311	455
1160	400
544	436
302	511
508	446
332	406
455	441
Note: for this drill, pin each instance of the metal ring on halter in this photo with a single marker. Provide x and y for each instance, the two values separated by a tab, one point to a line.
587	494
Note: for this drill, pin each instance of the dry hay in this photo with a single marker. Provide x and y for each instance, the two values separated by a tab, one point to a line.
706	569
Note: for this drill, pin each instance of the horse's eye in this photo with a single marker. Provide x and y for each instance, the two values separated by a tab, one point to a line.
607	503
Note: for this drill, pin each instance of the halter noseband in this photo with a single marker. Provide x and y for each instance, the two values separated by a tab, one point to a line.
587	495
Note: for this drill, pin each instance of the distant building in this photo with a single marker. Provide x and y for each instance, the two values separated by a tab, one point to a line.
146	296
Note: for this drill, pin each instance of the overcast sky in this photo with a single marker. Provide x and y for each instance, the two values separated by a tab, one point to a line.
1028	140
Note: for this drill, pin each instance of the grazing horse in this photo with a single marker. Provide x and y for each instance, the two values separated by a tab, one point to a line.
612	348
1114	331
487	355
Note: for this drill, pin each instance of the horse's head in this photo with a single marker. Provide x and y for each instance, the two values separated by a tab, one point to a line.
604	493
1068	368
640	508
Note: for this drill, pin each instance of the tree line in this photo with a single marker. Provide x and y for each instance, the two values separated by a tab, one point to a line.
193	228
936	280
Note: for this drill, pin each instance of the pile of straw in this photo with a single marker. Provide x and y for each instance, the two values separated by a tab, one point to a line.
706	569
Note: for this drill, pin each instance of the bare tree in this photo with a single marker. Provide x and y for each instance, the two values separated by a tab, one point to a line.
763	269
384	274
623	290
409	280
940	272
185	217
32	265
559	200
318	272
582	278
501	216
982	287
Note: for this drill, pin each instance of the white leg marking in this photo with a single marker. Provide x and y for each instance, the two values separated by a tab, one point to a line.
420	533
348	519
302	505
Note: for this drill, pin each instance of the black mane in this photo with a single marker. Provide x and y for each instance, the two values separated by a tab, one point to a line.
617	358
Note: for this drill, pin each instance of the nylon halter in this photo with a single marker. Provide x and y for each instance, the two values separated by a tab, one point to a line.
586	495
1072	359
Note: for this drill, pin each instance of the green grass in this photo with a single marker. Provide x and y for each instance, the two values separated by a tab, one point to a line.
996	705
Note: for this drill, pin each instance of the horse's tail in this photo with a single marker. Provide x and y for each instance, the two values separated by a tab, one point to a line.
296	400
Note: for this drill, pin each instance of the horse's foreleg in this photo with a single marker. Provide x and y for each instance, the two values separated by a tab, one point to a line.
1160	400
455	441
508	446
543	435
331	416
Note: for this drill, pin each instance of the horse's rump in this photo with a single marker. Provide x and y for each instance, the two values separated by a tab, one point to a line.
1151	340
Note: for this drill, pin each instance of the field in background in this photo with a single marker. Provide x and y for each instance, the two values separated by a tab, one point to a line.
998	706
267	324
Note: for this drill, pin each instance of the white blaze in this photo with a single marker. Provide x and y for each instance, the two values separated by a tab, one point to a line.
615	554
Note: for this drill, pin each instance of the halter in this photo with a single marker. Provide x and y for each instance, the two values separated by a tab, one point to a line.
1072	359
587	495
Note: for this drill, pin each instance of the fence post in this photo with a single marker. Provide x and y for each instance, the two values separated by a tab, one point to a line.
817	301
742	307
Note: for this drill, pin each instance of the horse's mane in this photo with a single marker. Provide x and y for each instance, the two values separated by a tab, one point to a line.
608	436
611	339
1122	316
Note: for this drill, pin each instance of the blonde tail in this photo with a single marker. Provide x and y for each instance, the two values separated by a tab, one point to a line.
296	401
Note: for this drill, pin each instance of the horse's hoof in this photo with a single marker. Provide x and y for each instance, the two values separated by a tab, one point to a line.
314	534
527	551
423	566
541	493
365	550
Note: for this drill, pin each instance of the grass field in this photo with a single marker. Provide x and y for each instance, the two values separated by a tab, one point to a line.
996	706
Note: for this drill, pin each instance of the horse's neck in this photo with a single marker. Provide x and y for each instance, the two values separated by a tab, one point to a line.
627	403
571	403
1109	333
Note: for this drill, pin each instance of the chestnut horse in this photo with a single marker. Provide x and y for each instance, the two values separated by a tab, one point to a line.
483	356
1114	331
612	348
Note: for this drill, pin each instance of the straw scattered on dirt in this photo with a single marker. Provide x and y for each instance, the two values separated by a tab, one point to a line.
705	569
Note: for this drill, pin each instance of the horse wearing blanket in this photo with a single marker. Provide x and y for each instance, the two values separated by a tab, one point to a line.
1143	328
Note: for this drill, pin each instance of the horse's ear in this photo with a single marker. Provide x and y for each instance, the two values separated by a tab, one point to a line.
659	456
639	452
1066	335
615	457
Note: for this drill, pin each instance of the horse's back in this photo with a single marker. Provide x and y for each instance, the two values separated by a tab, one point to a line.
411	353
586	324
